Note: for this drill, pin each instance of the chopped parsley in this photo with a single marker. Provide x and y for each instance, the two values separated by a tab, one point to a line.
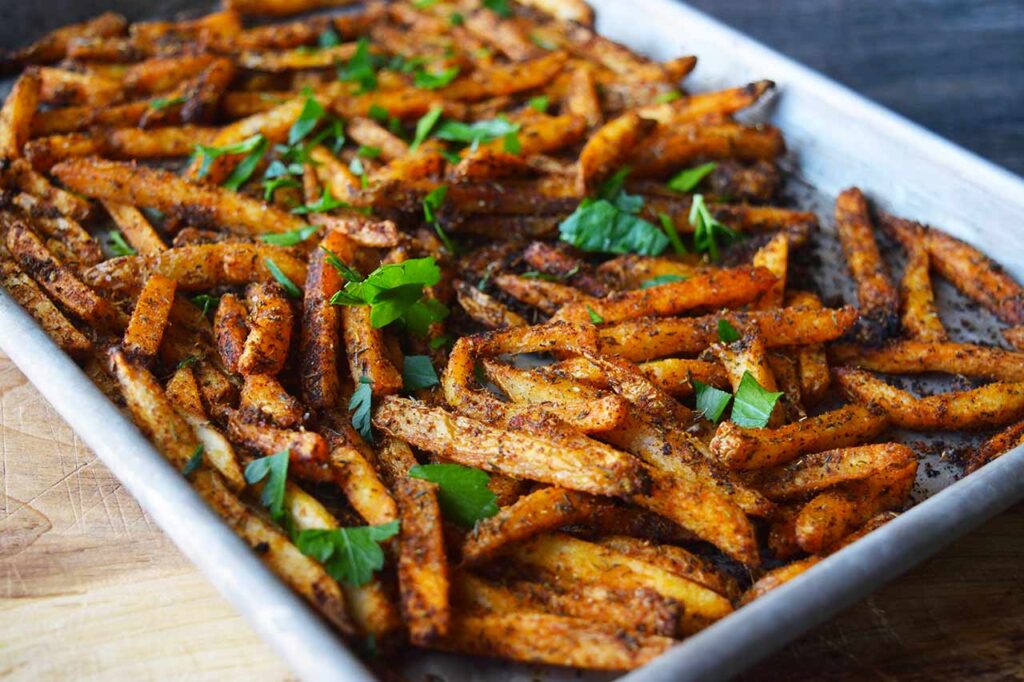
667	278
282	279
462	491
161	103
594	316
360	405
194	461
707	230
418	372
204	302
753	404
711	402
273	468
726	332
395	292
290	238
119	246
430	80
687	180
349	555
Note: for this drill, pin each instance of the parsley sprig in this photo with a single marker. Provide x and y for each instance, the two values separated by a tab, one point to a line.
752	405
360	406
707	230
273	468
350	555
462	491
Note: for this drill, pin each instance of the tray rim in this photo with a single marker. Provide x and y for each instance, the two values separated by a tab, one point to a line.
314	652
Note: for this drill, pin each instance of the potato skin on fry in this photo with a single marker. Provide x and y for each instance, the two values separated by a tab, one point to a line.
29	296
270	330
231	327
422	565
148	320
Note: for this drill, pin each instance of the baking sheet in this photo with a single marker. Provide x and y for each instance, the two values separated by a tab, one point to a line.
836	139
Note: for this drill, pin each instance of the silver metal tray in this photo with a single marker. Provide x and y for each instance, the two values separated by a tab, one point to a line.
836	139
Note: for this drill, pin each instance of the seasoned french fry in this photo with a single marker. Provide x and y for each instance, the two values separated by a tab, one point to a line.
62	87
912	357
164	191
278	8
307	450
263	399
774	257
135	228
749	355
607	147
996	446
270	330
320	335
812	360
54	45
672	147
16	116
360	483
776	578
989	406
565	10
148	320
82	249
744	448
506	79
367	352
231	327
920	318
877	297
24	178
422	565
581	96
547	296
484	309
676	560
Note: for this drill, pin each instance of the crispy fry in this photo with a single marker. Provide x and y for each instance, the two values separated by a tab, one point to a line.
920	318
360	483
54	45
607	147
812	360
369	133
996	404
263	399
27	180
912	357
774	257
278	8
367	352
484	309
878	299
422	565
506	79
676	560
231	328
270	330
581	96
16	116
548	296
135	228
748	355
996	446
80	247
148	320
307	450
670	148
320	336
61	87
776	578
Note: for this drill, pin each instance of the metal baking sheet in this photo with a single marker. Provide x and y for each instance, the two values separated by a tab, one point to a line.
836	139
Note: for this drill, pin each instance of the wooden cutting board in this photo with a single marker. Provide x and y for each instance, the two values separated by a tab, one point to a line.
90	588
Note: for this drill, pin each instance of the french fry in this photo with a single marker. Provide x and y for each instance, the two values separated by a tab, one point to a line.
280	8
506	36
484	309
541	511
422	565
675	560
971	271
920	319
745	449
777	577
231	328
913	357
29	296
307	450
989	406
565	10
878	299
61	87
669	148
263	399
581	96
631	271
360	229
787	378
149	318
571	560
57	279
270	330
774	257
27	180
596	468
369	133
296	59
650	338
53	46
749	355
996	446
320	338
506	79
704	105
82	248
16	116
547	296
812	473
359	481
812	360
605	150
164	191
367	352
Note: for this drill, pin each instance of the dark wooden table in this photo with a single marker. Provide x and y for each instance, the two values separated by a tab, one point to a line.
955	67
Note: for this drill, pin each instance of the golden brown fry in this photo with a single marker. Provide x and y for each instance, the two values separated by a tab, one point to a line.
702	106
541	511
231	328
16	116
149	318
37	262
359	481
369	133
812	360
607	147
263	399
320	332
79	248
821	470
196	204
484	309
676	560
280	8
54	45
971	271
581	96
631	271
650	338
749	355
595	468
669	148
996	446
135	228
565	10
920	318
27	180
877	298
505	79
745	448
548	296
307	450
776	578
270	330
774	257
913	357
367	352
989	406
422	565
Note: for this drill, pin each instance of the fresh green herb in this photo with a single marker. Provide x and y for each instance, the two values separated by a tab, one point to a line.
594	316
668	278
707	230
456	19
539	103
290	238
418	372
423	4
542	42
119	246
356	166
666	97
439	341
360	405
368	152
378	113
204	302
308	119
271	185
208	154
189	361
711	402
325	203
194	461
360	68
672	233
345	271
394	291
483	53
274	468
474	134
247	166
462	491
499	7
450	156
349	555
511	144
424	126
687	180
482	284
726	332
753	404
161	103
433	80
329	38
431	205
282	279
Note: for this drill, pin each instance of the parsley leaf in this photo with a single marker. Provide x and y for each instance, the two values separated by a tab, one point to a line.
456	19
539	103
711	402
345	271
394	291
274	468
359	405
753	404
666	97
208	154
188	362
161	103
476	133
329	38
423	4
378	113
462	491
594	316
424	126
360	68
247	166
119	246
282	279
271	185
418	372
511	144
707	230
194	461
350	555
204	302
433	80
726	332
431	205
308	119
499	7
325	203
670	231
687	180
290	238
667	278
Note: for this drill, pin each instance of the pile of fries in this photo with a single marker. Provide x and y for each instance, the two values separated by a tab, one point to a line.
473	323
